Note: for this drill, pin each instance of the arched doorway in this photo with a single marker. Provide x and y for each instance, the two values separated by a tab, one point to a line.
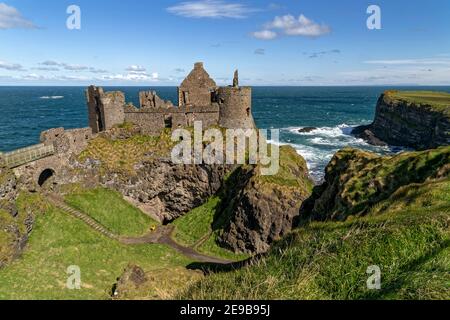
45	176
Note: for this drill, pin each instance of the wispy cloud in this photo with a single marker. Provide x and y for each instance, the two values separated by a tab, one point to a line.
260	51
289	25
11	18
318	54
11	66
265	34
211	9
52	65
179	70
136	68
428	61
133	76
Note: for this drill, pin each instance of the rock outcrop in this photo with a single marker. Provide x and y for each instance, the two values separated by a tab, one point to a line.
419	120
15	226
356	180
166	190
261	209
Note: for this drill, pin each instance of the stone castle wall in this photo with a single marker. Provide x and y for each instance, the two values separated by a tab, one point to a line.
199	100
235	107
106	109
67	141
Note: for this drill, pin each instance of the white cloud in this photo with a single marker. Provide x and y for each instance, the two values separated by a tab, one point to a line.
211	9
74	67
292	26
11	18
265	34
11	66
301	26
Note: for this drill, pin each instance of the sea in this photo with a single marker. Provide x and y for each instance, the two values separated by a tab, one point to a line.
27	111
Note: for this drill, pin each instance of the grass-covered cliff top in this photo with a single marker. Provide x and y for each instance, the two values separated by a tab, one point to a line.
439	101
405	232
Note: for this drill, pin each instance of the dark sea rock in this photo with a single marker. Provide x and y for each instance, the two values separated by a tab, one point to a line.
307	129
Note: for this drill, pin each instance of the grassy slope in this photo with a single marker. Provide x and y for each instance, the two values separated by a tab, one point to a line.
409	241
196	228
109	209
121	155
440	101
59	241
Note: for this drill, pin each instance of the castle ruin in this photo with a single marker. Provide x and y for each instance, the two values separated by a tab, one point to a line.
199	99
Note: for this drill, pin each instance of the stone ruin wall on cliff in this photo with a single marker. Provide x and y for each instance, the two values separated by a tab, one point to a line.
200	99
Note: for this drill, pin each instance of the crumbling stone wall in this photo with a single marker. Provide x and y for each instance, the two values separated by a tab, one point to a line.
67	141
198	89
105	109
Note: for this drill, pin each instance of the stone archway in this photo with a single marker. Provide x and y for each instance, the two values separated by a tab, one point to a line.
45	176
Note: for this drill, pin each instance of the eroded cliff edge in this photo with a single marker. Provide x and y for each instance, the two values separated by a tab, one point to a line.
415	119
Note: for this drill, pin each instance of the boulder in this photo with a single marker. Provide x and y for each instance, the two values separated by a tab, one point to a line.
307	129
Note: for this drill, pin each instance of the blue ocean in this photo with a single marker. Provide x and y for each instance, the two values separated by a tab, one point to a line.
334	111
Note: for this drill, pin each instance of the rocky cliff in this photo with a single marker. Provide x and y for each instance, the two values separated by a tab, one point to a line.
355	180
262	208
15	223
419	120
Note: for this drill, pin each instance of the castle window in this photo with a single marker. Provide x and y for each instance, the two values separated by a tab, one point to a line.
168	122
248	112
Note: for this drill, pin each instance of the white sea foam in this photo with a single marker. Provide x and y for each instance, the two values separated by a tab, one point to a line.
342	129
52	97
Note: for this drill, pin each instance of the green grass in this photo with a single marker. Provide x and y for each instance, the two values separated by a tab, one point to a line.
196	224
329	260
196	229
361	179
440	101
121	155
109	209
59	241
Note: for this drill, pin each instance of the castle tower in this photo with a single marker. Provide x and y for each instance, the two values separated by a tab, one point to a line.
235	105
198	89
105	109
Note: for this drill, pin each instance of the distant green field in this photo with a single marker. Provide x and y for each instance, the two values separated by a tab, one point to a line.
109	209
58	241
438	100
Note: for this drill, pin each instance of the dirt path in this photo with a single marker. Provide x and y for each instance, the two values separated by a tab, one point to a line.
162	235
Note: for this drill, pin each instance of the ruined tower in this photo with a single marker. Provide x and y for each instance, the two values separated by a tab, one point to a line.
198	89
105	109
235	106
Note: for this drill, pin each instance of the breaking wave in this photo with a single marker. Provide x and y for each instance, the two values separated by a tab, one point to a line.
51	97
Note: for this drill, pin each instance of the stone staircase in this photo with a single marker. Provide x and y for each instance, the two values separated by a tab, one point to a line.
60	204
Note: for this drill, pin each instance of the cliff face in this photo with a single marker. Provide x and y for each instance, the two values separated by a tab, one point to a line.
263	208
420	120
355	180
15	224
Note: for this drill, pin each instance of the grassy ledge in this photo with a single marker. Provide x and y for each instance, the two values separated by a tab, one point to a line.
439	101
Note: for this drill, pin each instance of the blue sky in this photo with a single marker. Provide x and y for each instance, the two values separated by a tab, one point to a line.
301	42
